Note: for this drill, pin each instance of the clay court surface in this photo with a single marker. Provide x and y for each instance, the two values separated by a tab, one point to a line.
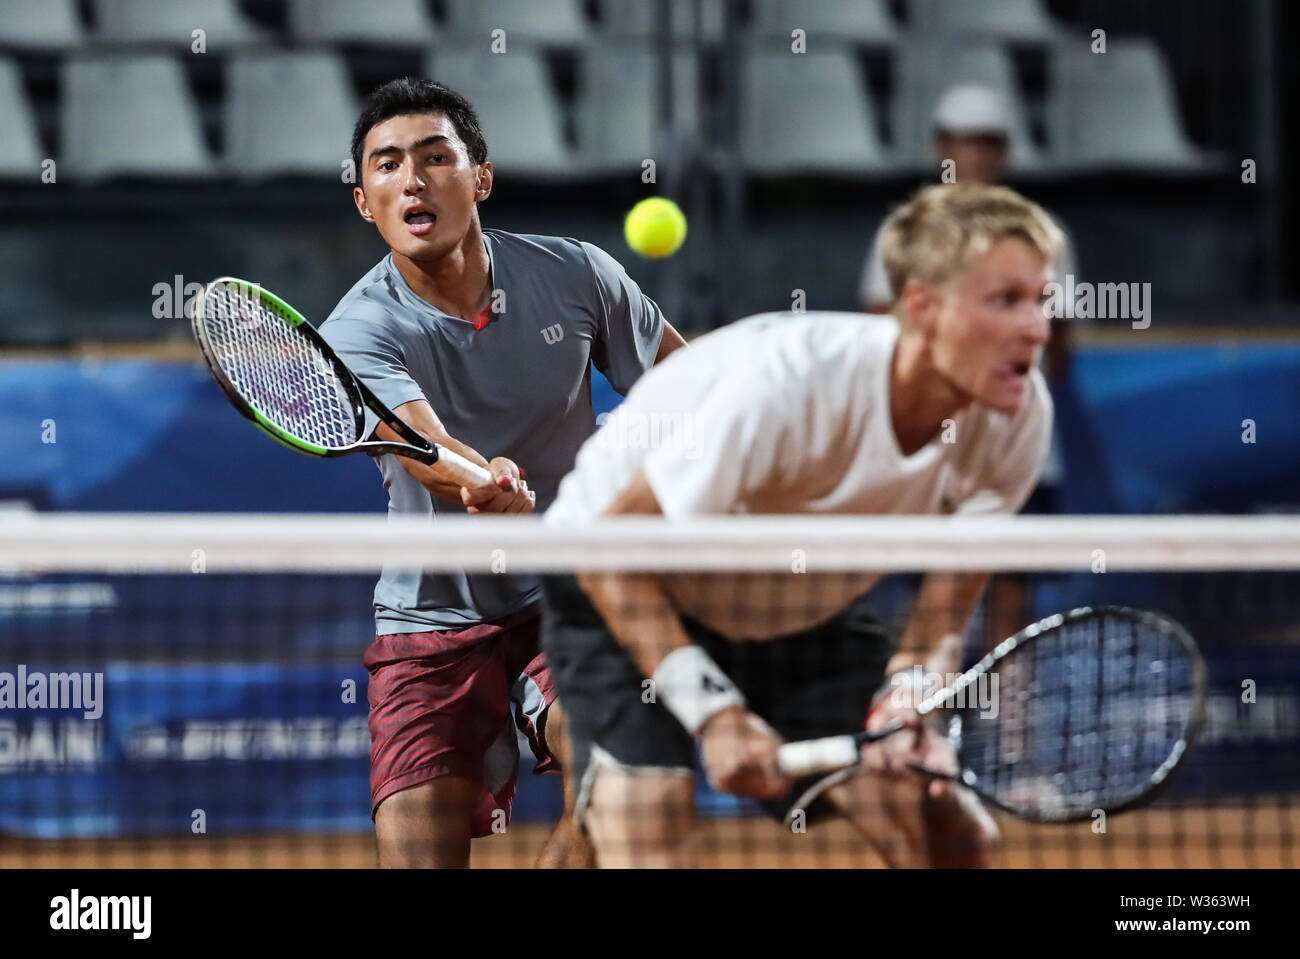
1259	836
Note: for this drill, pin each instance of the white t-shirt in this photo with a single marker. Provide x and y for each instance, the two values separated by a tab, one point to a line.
789	413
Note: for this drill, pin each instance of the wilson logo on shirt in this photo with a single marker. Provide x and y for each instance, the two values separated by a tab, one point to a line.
553	334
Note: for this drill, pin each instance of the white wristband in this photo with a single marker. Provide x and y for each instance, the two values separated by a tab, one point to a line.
693	687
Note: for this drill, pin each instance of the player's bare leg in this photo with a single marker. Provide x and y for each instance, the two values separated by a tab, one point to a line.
916	821
959	830
567	847
427	826
886	814
642	819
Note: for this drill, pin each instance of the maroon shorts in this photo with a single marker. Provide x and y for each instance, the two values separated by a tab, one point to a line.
440	705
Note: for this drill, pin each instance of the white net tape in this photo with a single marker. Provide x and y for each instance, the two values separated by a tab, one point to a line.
334	543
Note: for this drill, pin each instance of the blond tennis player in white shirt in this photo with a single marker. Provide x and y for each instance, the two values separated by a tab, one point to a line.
821	413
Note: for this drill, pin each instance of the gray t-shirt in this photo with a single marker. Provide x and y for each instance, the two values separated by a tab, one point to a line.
518	387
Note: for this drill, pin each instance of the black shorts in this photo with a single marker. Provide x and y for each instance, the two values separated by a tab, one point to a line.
815	683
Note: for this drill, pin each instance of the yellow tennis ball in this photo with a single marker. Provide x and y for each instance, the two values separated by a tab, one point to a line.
655	227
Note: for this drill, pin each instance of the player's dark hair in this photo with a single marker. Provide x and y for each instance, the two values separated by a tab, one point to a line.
409	95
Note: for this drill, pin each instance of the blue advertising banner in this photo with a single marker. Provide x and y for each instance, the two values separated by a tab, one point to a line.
250	748
155	705
147	436
217	748
221	748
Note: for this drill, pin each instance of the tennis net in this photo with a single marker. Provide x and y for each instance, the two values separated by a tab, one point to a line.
189	690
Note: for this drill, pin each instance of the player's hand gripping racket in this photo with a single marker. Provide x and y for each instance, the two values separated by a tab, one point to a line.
281	374
1085	710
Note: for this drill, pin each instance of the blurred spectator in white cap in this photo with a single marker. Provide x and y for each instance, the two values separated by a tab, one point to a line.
972	128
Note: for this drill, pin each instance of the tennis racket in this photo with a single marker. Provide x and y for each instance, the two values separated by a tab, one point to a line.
1091	709
279	372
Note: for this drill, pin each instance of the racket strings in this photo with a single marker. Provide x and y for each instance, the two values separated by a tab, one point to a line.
277	370
1089	716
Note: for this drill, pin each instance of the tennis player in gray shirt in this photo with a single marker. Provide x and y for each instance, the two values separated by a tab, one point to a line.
483	341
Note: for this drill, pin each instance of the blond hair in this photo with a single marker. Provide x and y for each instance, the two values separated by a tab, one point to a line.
936	234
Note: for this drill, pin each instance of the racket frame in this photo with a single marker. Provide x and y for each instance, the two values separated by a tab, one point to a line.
416	447
938	701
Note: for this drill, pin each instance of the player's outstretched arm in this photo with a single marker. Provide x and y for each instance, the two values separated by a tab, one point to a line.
927	822
509	492
738	748
933	634
932	640
633	605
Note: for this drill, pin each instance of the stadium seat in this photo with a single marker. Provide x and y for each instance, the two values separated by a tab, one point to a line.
865	22
617	104
129	115
1017	21
807	113
403	23
549	22
639	20
926	70
1117	109
172	22
20	148
517	105
40	24
288	113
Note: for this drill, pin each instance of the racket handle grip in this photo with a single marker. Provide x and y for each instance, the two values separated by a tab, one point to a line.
817	755
465	472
